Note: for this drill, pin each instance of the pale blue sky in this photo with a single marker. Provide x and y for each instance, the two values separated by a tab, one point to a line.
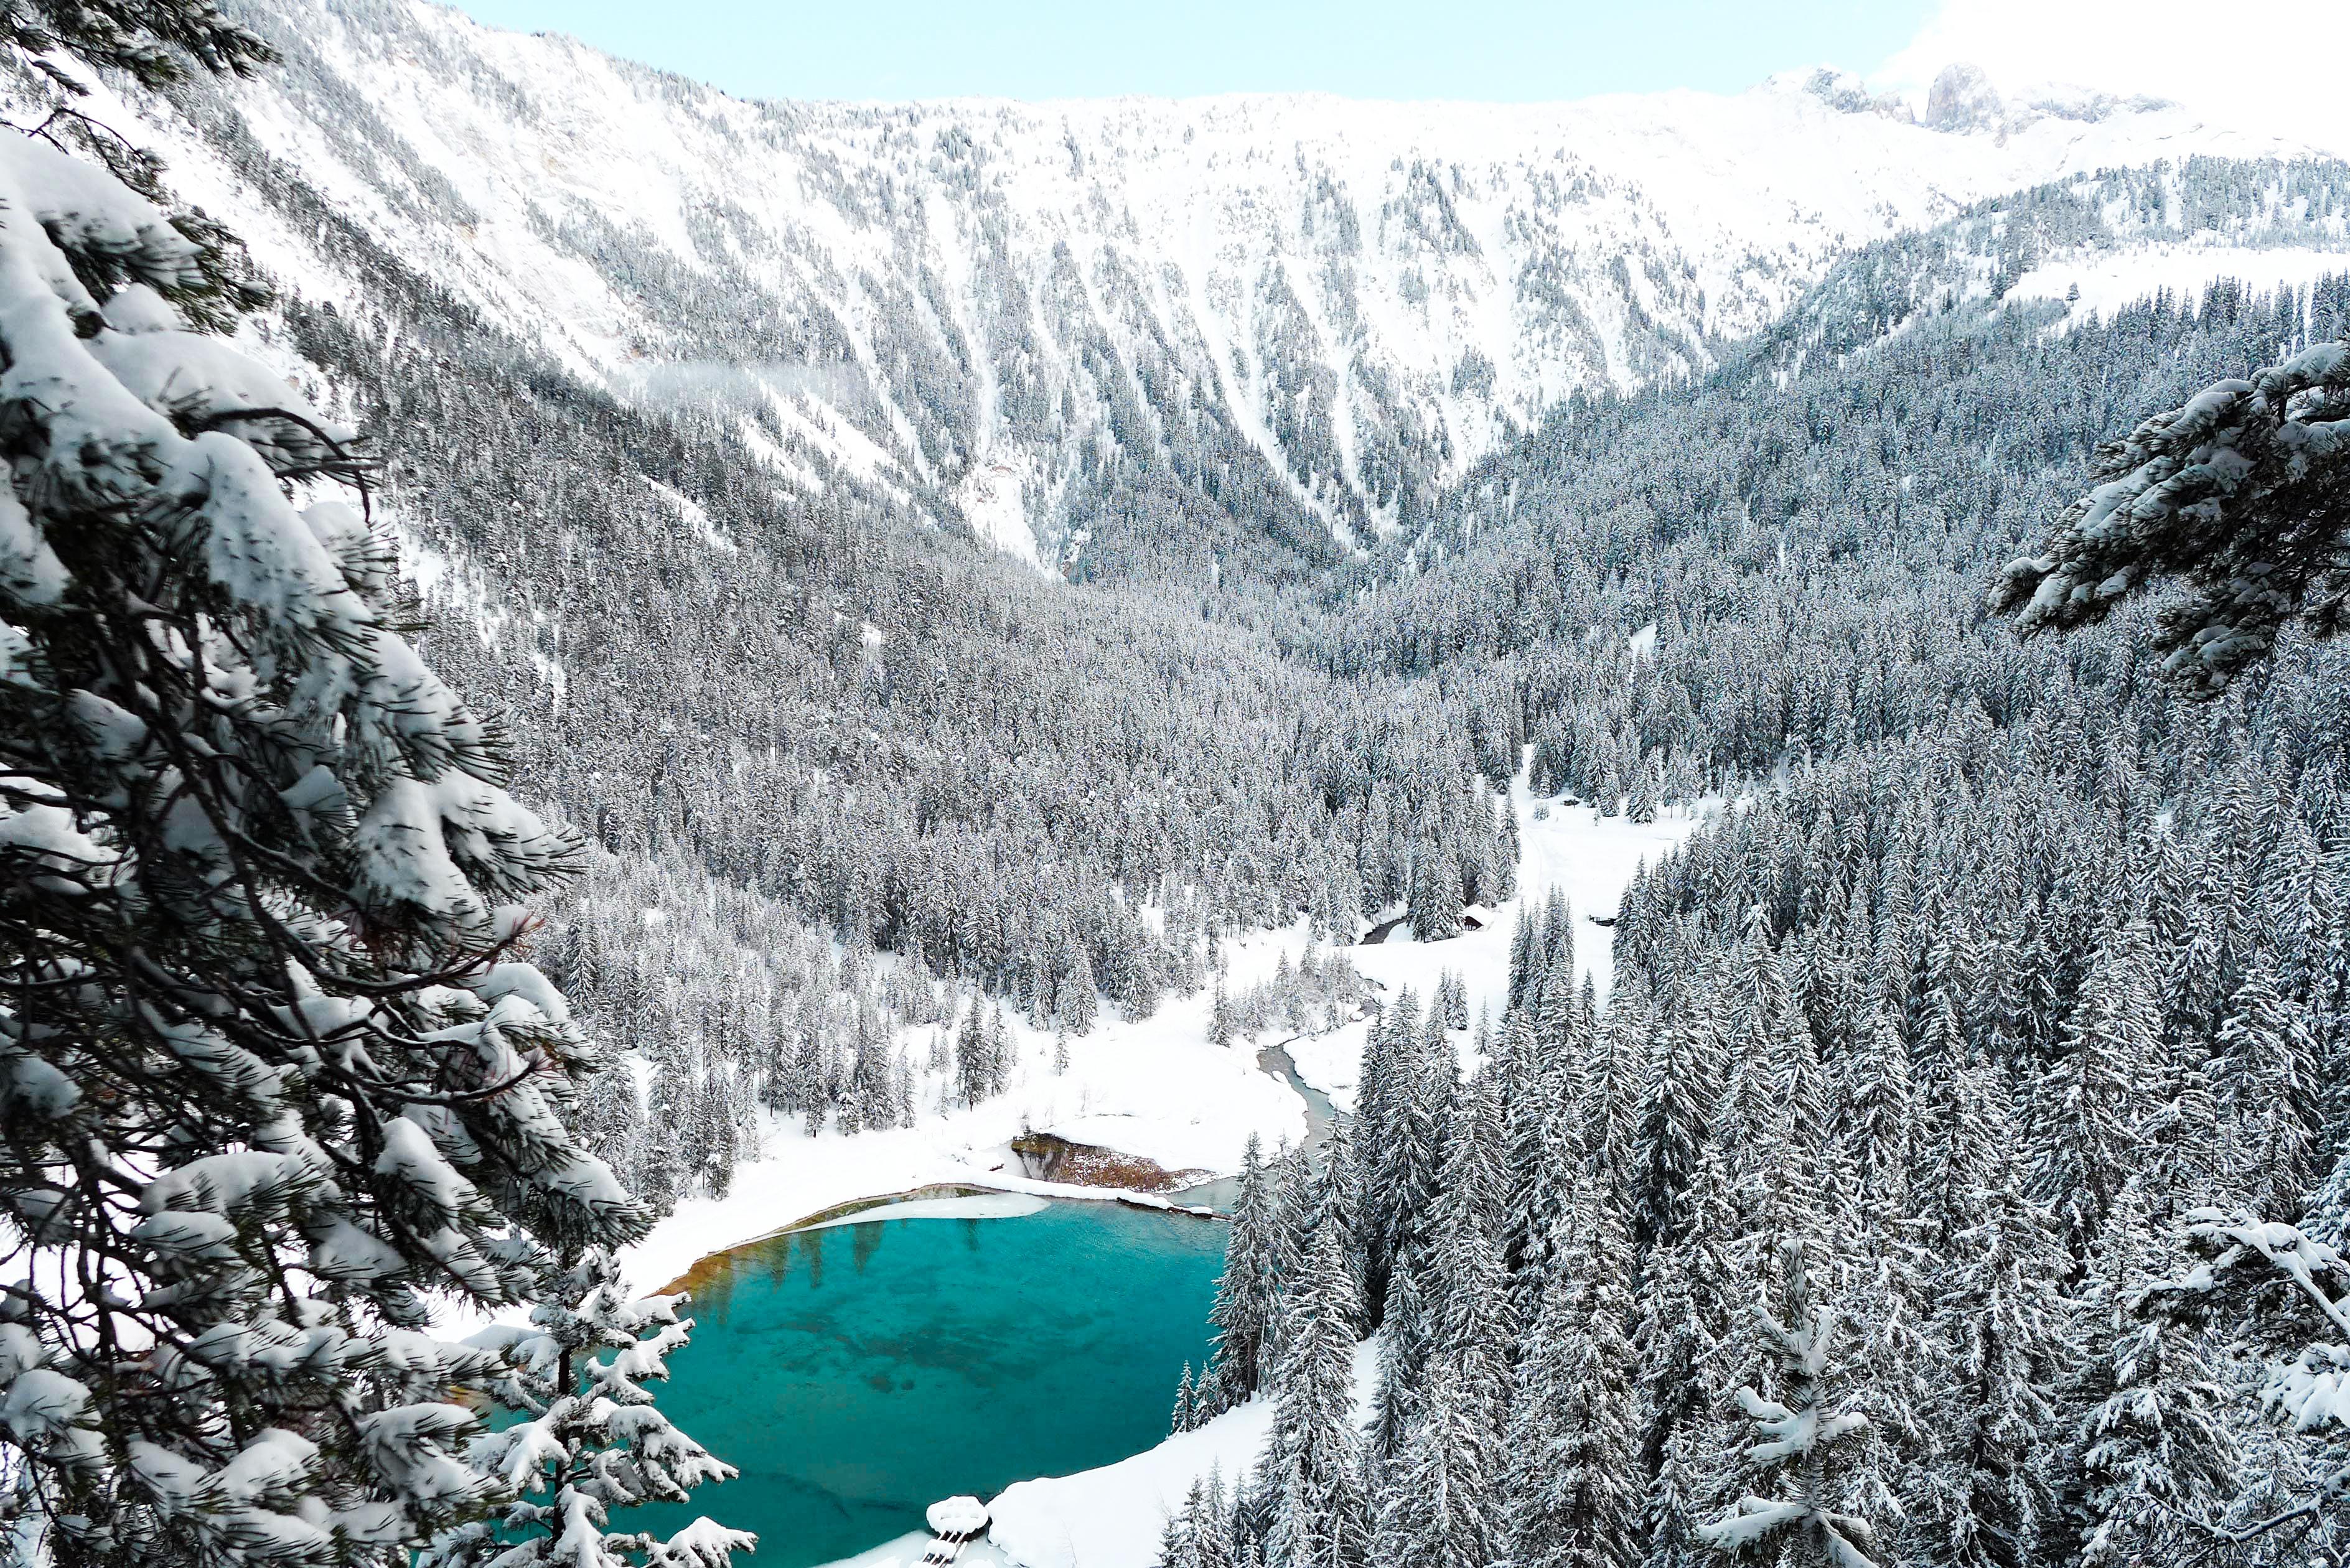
1499	50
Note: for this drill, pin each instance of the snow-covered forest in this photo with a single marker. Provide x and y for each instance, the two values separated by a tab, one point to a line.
495	764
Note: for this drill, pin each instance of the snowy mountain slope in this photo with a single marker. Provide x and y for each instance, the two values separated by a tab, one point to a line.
1298	306
2097	242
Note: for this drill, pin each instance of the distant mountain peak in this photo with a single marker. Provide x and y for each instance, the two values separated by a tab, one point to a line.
1844	92
1964	100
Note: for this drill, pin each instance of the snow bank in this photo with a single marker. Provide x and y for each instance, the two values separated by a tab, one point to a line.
1111	1517
982	1206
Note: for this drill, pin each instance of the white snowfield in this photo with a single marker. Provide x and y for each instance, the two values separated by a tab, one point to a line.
2108	281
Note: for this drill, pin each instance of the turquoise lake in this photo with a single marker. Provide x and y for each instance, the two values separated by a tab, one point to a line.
857	1374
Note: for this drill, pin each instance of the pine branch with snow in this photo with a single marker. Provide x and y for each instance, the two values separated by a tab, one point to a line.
273	1070
591	1444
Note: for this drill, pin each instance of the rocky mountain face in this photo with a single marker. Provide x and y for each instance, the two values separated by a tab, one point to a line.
1297	316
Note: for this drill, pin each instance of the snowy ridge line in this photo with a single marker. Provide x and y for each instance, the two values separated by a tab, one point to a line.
1343	305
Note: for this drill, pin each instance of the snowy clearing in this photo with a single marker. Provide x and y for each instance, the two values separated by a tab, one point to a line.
1571	848
2107	281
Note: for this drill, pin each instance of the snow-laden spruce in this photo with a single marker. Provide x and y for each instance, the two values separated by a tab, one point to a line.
1795	1438
273	1072
591	1444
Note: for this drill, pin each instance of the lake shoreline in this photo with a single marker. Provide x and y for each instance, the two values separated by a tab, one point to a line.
1274	1061
1015	1186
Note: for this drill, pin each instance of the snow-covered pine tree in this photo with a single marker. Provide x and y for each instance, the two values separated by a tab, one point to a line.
1572	1488
1874	1117
1313	1459
1247	1292
1521	957
2295	1287
1471	1330
1436	1501
2088	1146
1669	1529
2156	1447
1800	1521
1648	791
1078	999
2264	1074
1686	1291
1680	1099
1335	1201
1436	896
274	1068
2237	492
591	1444
1383	1087
1403	1345
1001	1049
1991	1498
974	1072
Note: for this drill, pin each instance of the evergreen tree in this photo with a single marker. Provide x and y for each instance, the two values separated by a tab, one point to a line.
1436	1503
2089	1096
2265	1074
276	1071
590	1443
1797	1433
1992	1503
1247	1292
1572	1492
2156	1450
974	1065
1313	1459
2221	494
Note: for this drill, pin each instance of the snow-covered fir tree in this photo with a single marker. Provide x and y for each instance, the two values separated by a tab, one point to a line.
279	1071
589	1443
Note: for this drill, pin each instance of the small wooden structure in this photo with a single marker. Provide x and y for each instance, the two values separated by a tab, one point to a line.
955	1520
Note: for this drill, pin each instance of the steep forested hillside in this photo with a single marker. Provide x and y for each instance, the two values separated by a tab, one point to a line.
1913	1198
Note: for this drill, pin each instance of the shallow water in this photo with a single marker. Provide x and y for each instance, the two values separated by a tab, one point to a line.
856	1375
